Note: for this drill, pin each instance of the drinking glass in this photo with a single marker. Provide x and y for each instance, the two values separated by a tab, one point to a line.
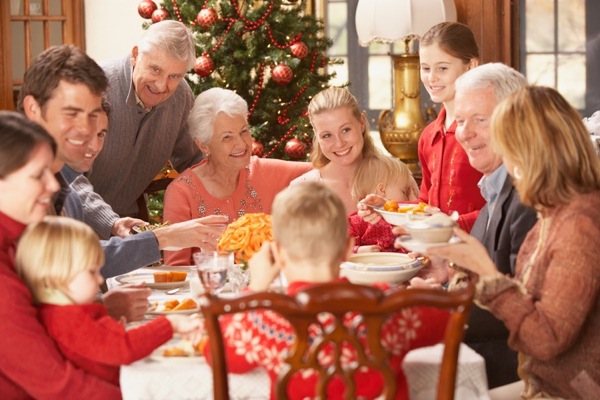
212	267
239	277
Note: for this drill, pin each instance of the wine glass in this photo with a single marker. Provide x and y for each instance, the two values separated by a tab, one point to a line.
212	267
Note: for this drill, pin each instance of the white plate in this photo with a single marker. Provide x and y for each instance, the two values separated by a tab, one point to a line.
162	312
148	279
399	218
411	244
368	268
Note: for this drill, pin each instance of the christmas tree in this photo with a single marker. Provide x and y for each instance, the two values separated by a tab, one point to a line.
270	52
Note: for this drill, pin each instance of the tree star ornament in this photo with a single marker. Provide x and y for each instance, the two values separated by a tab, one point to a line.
282	74
204	66
207	17
146	8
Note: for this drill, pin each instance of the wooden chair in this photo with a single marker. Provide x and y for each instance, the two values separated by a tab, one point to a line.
338	299
142	202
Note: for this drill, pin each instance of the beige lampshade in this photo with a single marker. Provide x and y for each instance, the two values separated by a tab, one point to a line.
386	21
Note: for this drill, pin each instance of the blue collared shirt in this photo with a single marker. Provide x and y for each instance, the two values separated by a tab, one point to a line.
491	186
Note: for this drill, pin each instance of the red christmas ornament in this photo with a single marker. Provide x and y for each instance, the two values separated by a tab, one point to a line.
207	17
160	15
146	8
295	149
282	74
258	149
204	66
299	49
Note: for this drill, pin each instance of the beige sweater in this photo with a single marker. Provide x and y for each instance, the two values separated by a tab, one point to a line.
555	318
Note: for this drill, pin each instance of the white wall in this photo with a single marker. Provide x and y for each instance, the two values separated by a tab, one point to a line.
112	27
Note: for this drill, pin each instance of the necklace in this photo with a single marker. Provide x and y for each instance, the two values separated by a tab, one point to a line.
250	202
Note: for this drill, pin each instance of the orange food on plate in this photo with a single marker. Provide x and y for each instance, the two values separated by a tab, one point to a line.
390	205
186	304
171	276
199	347
246	235
160	277
174	352
170	304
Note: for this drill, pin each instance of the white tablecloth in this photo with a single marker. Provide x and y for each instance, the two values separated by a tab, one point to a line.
186	378
174	378
422	366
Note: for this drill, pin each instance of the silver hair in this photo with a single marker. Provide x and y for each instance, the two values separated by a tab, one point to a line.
172	37
503	78
208	105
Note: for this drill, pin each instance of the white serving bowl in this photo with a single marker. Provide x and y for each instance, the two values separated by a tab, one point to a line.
429	234
399	218
368	268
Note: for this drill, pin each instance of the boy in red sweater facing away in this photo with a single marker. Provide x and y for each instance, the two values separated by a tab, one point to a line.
310	241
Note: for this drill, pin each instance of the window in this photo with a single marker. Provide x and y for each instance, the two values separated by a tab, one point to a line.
553	49
31	27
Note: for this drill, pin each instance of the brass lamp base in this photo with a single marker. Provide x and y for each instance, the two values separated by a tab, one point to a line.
400	130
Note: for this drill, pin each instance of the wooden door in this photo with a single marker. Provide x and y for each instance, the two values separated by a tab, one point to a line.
495	24
28	27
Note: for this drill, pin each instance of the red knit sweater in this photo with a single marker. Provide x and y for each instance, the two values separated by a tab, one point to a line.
31	364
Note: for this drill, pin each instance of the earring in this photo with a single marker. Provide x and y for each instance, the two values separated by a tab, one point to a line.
516	173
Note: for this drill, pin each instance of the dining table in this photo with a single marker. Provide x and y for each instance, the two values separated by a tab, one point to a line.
190	377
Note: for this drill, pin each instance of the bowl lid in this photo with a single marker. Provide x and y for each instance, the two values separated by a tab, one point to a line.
381	261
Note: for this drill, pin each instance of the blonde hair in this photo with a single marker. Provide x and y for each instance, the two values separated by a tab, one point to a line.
309	223
539	133
52	252
379	168
331	99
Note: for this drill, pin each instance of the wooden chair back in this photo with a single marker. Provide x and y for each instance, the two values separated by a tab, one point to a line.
338	299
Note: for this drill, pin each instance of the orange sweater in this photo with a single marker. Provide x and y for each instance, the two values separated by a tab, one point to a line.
186	198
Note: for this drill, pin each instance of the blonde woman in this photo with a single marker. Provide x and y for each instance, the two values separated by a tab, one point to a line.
59	259
341	140
551	306
387	177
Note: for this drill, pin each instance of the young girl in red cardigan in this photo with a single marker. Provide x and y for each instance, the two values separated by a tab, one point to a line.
449	182
60	259
310	241
387	177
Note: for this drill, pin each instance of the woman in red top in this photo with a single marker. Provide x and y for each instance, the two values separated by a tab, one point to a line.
32	366
449	182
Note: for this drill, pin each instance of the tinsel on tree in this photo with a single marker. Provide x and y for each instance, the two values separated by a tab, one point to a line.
269	51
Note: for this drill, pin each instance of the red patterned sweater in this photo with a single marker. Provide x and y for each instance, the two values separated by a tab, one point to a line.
261	338
365	234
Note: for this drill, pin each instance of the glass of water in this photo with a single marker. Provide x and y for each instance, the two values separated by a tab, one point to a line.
212	267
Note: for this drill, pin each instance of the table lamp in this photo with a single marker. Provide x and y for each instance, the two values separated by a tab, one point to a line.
388	21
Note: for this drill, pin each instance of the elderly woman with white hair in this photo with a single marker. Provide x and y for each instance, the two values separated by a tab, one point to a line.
229	181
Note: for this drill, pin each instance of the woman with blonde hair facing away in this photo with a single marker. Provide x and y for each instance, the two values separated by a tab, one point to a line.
341	140
229	181
59	259
387	177
552	305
